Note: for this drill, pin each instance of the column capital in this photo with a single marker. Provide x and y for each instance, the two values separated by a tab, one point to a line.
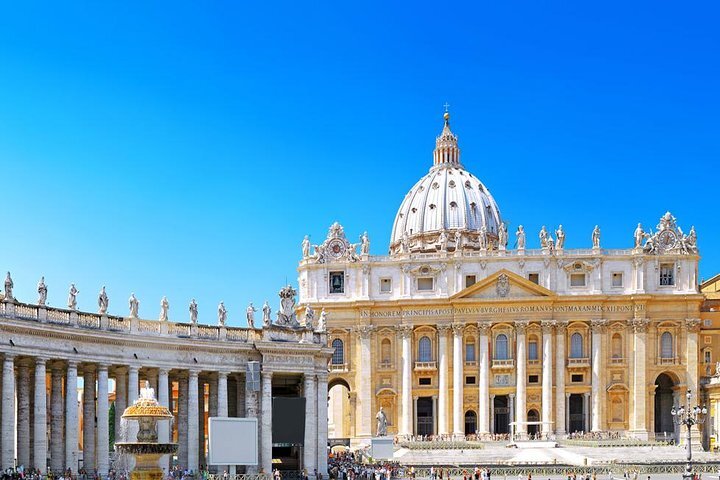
102	367
511	395
521	326
133	369
72	364
598	325
8	357
457	328
365	331
193	372
405	331
41	361
444	328
266	374
693	324
567	394
222	374
164	371
561	327
548	326
484	327
639	324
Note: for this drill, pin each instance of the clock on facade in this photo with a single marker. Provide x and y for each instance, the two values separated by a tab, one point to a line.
667	239
336	248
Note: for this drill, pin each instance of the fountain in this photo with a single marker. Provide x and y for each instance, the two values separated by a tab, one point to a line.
146	450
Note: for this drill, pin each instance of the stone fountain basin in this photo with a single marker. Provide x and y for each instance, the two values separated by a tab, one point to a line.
145	448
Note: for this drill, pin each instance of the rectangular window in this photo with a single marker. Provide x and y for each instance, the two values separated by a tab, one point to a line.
534	379
425	284
470	380
708	356
469	352
577	279
337	282
469	280
424	381
617	279
534	278
532	351
576	378
667	274
385	285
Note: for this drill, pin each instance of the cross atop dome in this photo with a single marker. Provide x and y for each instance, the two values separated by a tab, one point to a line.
447	152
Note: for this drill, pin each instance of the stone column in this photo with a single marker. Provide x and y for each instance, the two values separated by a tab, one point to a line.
560	418
7	424
23	414
567	412
40	416
201	423
222	394
311	421
213	395
511	401
406	424
121	395
547	331
193	433
586	411
415	419
435	414
691	354
322	412
163	426
57	419
638	419
492	413
364	419
103	419
71	418
266	427
598	392
458	381
251	411
89	418
443	389
133	390
183	422
484	381
521	379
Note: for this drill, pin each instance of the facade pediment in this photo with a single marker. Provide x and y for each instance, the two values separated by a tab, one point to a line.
503	284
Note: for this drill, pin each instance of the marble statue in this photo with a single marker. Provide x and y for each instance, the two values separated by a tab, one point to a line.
543	237
286	316
364	244
306	247
550	244
164	307
381	423
250	315
222	314
560	235
9	287
520	234
483	238
458	241
266	314
147	392
319	253
134	305
322	323
503	236
639	235
72	297
103	301
689	242
443	240
351	252
309	316
405	243
193	312
42	291
596	237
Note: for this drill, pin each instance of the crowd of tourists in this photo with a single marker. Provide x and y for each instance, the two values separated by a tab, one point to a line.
350	466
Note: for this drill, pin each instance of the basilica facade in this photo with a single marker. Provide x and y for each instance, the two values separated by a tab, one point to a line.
462	329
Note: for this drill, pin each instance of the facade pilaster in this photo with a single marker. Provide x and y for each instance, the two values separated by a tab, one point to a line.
311	421
182	423
598	392
7	424
201	422
406	424
484	380
266	424
458	417
240	409
252	411
121	396
691	353
23	414
193	433
71	417
547	369
222	394
57	419
322	409
40	416
586	411
638	419
213	395
442	412
560	400
520	380
103	418
88	418
163	426
364	419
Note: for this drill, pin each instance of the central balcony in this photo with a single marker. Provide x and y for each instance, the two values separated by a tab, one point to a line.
578	362
425	366
503	363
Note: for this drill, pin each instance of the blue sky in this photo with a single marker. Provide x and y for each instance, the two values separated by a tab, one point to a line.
185	148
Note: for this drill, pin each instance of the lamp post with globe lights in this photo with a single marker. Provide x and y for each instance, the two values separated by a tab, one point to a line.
689	416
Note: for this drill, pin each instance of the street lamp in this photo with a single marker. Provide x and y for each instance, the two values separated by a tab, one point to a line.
688	416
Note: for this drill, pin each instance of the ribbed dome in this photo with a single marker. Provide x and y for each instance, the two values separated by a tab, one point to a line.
448	199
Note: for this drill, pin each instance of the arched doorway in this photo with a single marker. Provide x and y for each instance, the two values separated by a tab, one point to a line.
533	416
340	412
664	425
576	413
470	422
501	411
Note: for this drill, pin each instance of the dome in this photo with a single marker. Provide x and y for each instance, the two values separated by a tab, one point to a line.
447	208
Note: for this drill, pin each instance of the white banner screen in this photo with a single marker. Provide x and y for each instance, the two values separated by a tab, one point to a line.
232	441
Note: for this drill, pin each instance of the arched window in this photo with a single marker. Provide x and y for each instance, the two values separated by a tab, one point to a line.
617	350
470	422
338	357
501	347
533	348
470	349
424	350
576	346
666	345
385	351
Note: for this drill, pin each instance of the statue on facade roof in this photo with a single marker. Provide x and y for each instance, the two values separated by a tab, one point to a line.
134	305
639	236
286	316
689	242
72	297
222	314
250	315
596	237
266	314
405	243
560	235
164	307
42	291
482	237
103	301
503	236
8	287
306	247
193	311
364	244
543	237
520	234
309	317
458	241
322	323
443	241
